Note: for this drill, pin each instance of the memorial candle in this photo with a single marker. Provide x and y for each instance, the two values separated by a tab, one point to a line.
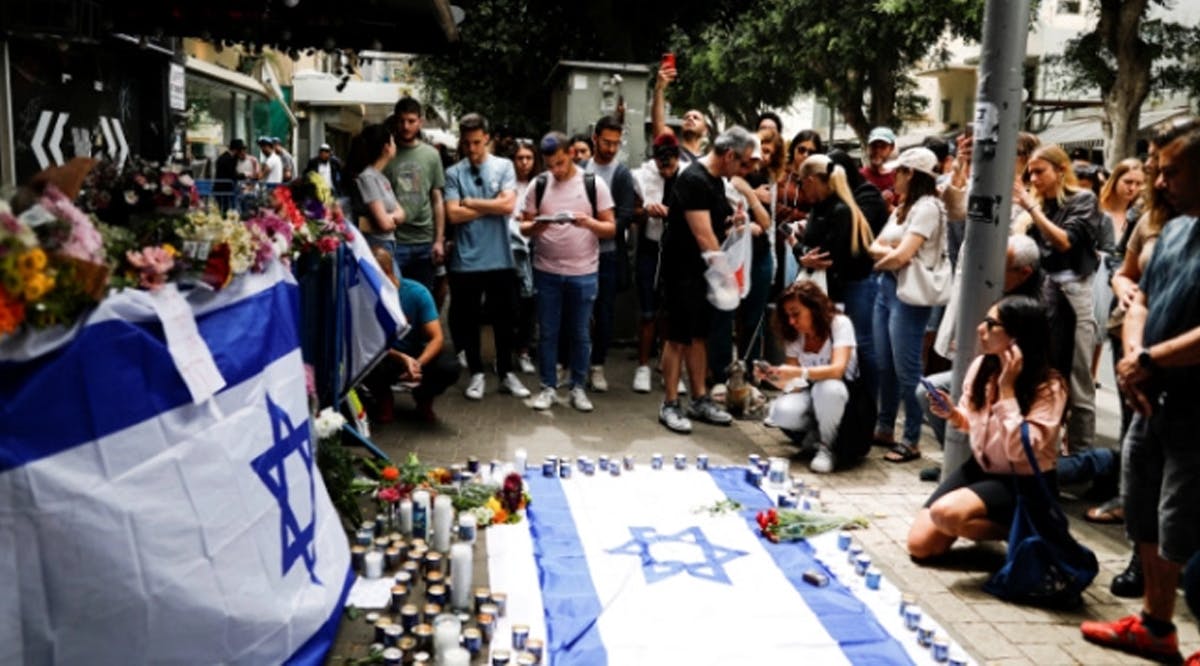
461	569
406	517
443	516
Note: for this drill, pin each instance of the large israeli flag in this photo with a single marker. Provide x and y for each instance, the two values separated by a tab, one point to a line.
160	499
632	570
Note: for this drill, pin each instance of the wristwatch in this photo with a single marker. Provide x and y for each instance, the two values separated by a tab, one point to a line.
1144	359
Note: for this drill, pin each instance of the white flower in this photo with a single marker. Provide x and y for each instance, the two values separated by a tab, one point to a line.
483	516
328	422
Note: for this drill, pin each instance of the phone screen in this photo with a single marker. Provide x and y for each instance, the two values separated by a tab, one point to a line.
934	394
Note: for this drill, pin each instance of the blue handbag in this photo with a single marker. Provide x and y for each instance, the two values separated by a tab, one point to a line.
1045	565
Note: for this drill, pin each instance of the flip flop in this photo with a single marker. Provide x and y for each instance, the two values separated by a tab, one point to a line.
902	453
1109	513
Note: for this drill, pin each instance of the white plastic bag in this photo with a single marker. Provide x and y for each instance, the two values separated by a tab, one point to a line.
722	285
739	252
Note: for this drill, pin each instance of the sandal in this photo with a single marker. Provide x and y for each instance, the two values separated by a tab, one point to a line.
1109	513
902	453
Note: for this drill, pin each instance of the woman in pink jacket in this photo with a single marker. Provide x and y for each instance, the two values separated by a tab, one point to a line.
1010	383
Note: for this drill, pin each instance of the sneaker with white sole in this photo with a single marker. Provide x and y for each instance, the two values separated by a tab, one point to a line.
545	398
475	387
510	384
579	399
704	409
672	416
641	379
525	365
596	379
824	461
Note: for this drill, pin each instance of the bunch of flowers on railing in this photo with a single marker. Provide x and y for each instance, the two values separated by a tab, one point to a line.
138	187
793	524
51	263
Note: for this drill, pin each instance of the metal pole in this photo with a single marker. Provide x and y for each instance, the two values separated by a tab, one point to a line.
997	121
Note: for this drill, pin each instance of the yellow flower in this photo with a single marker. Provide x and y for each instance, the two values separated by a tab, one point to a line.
31	261
170	249
37	287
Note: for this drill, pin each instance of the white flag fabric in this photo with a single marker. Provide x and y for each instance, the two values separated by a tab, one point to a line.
632	570
371	312
142	527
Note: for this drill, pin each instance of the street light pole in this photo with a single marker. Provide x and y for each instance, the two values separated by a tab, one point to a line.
997	121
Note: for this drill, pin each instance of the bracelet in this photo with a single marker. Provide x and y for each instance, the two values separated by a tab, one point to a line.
804	374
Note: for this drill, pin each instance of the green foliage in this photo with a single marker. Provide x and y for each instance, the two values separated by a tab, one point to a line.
337	469
852	54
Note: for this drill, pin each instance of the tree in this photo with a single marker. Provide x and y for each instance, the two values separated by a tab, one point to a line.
855	54
1128	56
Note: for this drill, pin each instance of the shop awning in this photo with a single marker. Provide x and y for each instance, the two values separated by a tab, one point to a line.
1088	132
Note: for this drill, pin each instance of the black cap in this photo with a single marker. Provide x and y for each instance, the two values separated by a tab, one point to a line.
237	144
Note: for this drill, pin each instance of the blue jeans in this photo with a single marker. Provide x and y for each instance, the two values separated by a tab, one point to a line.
606	302
416	262
1088	465
899	330
753	309
564	302
859	305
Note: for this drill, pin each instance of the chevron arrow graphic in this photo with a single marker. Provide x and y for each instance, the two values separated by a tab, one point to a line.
124	151
39	135
110	146
56	138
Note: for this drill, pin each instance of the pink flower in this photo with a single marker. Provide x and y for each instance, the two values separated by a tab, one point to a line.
153	264
328	244
389	494
84	242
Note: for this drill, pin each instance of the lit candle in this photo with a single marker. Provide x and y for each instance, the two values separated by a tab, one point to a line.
420	517
519	460
456	657
406	511
443	519
461	568
373	564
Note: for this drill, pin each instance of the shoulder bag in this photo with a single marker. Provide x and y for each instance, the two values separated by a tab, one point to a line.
918	284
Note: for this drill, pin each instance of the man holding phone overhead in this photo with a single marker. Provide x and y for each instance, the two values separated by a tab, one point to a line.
568	212
695	125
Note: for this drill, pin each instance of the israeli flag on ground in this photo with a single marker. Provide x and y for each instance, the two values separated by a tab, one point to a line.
371	314
161	501
631	570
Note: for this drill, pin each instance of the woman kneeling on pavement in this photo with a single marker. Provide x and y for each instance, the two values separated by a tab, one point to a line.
1010	383
820	378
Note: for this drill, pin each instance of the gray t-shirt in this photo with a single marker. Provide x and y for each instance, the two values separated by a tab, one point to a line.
374	186
414	172
481	244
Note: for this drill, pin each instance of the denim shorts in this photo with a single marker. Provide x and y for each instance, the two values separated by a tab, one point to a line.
1160	478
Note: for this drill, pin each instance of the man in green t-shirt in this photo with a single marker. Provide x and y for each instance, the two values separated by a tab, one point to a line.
417	179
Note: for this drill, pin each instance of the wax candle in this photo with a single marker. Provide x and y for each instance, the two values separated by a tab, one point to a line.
466	528
420	511
373	564
519	459
443	516
406	517
446	631
461	569
456	657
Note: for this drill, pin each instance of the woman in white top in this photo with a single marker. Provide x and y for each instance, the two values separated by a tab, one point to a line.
821	362
916	231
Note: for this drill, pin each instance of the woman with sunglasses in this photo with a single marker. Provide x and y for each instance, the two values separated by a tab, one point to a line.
1010	383
1065	221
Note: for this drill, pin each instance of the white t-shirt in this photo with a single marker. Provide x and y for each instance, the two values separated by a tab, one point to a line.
841	335
274	168
924	219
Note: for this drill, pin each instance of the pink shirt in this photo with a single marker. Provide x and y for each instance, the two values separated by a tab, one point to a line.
995	430
567	249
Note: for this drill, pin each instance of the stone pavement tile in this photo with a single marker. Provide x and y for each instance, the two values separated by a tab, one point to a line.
1026	633
982	640
1047	654
946	605
1014	661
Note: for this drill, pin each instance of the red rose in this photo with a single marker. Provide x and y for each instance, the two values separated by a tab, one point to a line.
217	272
389	494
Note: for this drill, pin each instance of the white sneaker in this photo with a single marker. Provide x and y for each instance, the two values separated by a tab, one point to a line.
672	416
579	399
823	462
597	381
525	364
475	388
462	359
641	379
510	384
545	399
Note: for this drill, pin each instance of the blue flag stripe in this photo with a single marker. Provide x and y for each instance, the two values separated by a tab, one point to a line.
846	618
315	649
116	374
568	594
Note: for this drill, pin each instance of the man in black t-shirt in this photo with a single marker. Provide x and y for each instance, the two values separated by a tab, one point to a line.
698	213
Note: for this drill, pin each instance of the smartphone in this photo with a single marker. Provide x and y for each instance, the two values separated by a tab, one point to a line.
815	578
934	394
668	61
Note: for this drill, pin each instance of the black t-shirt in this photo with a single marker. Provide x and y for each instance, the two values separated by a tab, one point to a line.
1079	216
695	190
830	224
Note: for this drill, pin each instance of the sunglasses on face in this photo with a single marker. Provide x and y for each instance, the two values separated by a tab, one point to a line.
992	324
476	176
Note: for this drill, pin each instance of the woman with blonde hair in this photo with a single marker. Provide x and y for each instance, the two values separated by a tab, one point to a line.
1065	221
836	240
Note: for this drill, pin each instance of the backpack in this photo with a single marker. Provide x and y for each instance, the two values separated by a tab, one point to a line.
589	185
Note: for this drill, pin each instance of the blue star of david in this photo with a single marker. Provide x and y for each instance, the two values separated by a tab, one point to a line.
710	568
297	542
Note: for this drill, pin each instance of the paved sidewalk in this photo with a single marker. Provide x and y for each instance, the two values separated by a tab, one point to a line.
624	422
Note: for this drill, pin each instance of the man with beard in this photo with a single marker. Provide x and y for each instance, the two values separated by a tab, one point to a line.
417	179
693	133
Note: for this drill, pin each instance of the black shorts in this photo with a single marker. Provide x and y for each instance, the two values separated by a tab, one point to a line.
686	310
995	490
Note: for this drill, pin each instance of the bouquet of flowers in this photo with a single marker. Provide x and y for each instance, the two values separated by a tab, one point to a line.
139	187
793	524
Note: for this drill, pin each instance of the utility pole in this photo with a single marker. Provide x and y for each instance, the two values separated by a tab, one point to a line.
998	114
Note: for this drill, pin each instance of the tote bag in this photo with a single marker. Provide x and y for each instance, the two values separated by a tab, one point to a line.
918	284
1045	565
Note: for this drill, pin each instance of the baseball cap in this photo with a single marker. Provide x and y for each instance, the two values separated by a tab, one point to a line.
917	159
264	140
276	139
666	145
237	144
884	134
325	146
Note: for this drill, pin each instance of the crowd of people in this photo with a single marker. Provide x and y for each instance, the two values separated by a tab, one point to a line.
849	313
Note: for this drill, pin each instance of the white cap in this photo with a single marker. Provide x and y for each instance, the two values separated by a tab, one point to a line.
325	146
917	159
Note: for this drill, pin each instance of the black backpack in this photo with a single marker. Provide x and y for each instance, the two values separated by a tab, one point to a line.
589	184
